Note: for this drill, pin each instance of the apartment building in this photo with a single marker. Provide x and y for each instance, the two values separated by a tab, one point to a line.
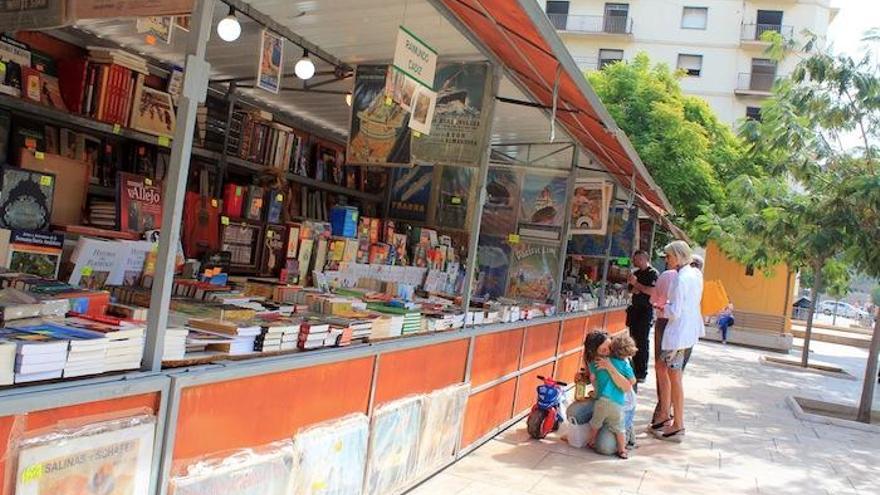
716	42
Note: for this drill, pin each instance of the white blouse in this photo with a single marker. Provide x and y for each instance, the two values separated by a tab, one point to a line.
685	325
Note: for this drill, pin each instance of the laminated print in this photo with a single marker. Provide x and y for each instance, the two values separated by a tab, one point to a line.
493	265
271	59
394	449
442	417
622	227
501	209
400	87
456	184
265	471
108	458
533	271
330	459
25	199
542	209
459	123
424	103
380	131
411	192
589	208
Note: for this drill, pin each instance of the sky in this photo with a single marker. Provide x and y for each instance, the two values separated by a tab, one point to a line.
855	17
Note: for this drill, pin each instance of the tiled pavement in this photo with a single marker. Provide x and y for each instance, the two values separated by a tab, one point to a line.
741	438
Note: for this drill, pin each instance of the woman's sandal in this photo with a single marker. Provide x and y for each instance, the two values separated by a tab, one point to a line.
672	436
623	454
662	424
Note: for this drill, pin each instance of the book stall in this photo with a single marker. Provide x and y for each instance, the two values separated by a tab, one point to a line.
234	261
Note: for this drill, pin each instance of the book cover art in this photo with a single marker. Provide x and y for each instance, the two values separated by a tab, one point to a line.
254	205
533	271
501	209
93	260
276	206
139	203
622	227
493	265
456	184
411	192
274	251
25	199
153	111
379	126
271	60
128	269
50	93
543	200
589	208
32	252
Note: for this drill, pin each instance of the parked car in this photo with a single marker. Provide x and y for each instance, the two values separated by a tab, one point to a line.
842	309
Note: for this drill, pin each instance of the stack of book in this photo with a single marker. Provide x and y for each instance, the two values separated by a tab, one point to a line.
358	329
87	351
128	311
268	143
37	357
102	214
278	335
243	335
7	362
385	326
314	334
175	344
199	342
17	305
125	341
412	322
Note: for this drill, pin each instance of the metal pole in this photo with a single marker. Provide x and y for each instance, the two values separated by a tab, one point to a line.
473	241
566	227
606	261
195	88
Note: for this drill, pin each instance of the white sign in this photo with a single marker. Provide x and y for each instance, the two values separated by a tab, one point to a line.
415	58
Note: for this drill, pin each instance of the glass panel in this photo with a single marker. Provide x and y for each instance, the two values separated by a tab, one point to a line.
558	14
692	64
694	17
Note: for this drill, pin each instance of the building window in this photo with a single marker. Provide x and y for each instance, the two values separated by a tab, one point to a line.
753	113
750	271
616	17
691	64
763	74
694	17
768	20
558	14
607	56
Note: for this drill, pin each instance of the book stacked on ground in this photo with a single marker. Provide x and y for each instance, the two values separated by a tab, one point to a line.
87	350
175	344
37	357
313	334
125	340
243	335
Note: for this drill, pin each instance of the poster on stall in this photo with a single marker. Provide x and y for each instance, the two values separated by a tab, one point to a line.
271	60
543	205
458	126
411	192
622	227
380	132
160	27
533	271
400	87
456	184
501	209
424	103
415	58
646	234
493	265
589	207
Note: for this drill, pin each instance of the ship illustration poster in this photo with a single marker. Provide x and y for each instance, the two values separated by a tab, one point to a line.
379	127
493	264
622	227
501	209
533	271
456	184
411	192
458	125
543	200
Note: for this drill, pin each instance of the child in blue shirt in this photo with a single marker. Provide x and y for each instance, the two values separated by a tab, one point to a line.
612	377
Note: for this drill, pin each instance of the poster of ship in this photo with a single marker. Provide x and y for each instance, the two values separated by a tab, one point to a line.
456	184
622	226
411	192
380	131
493	264
501	209
458	125
543	205
533	271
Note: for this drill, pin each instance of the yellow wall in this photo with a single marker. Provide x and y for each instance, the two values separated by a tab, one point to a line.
753	294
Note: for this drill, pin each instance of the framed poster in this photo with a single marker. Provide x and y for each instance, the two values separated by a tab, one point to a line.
153	111
411	193
493	265
622	228
380	131
456	184
501	209
271	61
533	271
589	207
646	234
543	205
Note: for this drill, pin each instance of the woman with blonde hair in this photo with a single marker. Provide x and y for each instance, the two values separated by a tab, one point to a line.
683	330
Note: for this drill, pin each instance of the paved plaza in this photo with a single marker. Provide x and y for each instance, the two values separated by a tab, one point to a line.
742	437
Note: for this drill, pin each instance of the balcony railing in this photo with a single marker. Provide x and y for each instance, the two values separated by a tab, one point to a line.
756	82
607	24
754	32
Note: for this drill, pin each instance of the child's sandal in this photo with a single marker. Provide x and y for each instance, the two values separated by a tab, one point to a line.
623	455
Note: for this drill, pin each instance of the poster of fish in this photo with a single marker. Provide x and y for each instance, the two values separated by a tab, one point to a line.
411	193
501	209
271	60
543	205
458	126
493	264
622	226
456	185
533	271
380	131
589	207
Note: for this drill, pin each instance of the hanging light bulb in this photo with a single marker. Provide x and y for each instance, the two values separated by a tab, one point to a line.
229	29
348	99
304	68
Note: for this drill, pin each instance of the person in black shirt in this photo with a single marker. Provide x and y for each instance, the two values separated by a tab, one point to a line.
640	313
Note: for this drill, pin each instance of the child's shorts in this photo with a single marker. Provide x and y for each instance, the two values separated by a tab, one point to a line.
608	413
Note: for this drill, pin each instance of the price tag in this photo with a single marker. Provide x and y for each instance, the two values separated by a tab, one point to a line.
148	181
455	200
46	180
150	39
513	238
164	141
623	261
214	203
117	128
388	101
279	197
86	271
238	190
39	155
224	220
32	473
417	134
270	234
30	143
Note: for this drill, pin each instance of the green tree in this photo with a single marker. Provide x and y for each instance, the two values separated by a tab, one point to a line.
688	151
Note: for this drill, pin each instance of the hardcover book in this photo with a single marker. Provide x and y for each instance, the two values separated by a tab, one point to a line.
129	266
153	111
274	251
139	203
31	252
25	199
93	260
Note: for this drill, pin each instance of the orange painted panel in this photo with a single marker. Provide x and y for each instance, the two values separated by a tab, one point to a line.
420	370
486	410
568	366
495	355
526	393
260	409
616	321
540	343
573	333
595	322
